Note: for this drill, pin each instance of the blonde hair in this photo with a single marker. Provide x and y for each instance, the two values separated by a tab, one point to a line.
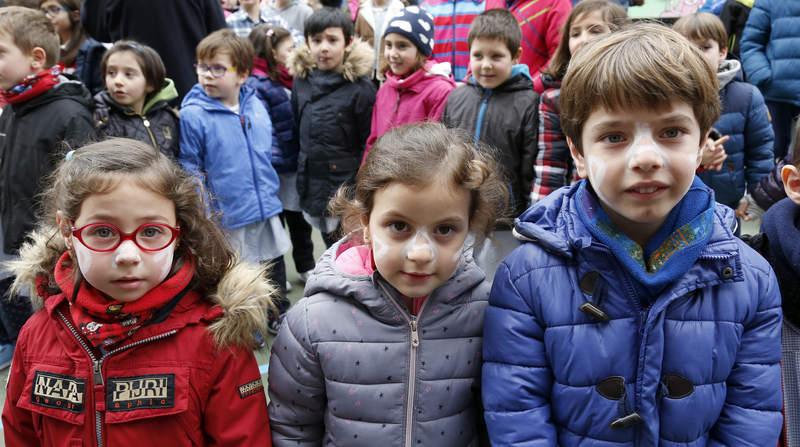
643	66
702	26
98	168
29	29
417	154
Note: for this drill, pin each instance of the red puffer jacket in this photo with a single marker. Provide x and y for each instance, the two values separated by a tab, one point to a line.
170	384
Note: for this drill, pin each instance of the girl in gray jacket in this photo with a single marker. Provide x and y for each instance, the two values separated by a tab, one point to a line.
385	348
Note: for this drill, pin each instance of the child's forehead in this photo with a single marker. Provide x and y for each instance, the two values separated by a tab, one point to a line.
218	57
676	111
333	31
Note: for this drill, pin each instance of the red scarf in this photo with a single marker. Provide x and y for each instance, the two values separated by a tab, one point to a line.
261	67
32	86
105	322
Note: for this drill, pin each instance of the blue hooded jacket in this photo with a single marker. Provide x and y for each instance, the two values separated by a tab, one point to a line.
276	101
770	49
745	120
232	154
571	356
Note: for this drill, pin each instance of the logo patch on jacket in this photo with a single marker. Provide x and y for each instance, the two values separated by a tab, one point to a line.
139	393
57	391
248	389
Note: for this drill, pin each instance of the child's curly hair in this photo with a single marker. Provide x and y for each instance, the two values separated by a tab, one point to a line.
418	154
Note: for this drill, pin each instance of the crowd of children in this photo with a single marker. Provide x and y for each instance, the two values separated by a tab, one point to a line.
531	211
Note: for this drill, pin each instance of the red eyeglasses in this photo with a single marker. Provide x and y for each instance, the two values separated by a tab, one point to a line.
104	237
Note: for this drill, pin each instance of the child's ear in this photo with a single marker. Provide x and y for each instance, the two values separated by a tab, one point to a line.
577	158
64	228
515	59
791	182
365	225
38	58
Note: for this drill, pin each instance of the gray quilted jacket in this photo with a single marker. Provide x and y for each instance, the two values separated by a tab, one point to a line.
352	367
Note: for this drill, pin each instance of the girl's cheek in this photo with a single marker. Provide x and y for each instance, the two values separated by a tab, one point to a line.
163	261
85	258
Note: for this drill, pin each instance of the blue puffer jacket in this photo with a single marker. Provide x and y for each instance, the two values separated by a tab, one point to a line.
771	49
276	100
232	154
750	152
697	368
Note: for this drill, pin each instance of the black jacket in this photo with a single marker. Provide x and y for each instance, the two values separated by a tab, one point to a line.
157	125
33	138
506	118
333	111
173	28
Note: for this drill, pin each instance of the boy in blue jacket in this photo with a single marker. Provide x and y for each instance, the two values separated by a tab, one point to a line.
744	118
632	316
226	140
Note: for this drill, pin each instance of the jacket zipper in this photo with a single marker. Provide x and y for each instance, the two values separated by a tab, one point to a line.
146	123
252	166
412	361
481	113
97	366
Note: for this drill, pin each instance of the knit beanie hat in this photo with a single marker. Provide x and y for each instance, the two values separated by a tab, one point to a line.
416	25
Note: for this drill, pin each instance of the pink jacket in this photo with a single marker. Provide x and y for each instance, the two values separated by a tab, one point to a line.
421	96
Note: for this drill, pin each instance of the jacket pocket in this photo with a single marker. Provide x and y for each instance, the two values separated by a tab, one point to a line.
57	398
151	400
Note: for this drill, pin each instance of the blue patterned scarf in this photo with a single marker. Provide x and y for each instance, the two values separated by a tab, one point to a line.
670	252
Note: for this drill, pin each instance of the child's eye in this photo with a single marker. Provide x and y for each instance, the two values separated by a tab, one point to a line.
151	231
398	227
673	132
445	230
102	232
613	138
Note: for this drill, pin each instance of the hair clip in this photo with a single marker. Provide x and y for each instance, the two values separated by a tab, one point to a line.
270	32
70	155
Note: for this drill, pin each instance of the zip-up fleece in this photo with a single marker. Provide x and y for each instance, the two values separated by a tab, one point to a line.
332	112
351	367
156	126
572	358
232	154
189	380
421	96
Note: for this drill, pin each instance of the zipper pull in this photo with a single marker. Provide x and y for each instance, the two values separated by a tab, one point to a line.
98	373
414	334
146	123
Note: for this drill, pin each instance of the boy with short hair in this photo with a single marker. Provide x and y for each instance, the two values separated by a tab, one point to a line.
46	115
226	140
631	314
332	99
744	119
499	107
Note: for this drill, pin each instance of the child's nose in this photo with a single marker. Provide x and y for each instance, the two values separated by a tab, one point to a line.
646	156
127	253
420	250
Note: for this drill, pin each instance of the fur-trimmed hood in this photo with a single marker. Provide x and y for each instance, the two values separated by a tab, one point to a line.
243	295
358	59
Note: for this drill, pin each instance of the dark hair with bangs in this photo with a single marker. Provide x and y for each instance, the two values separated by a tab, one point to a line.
497	24
149	61
327	17
645	65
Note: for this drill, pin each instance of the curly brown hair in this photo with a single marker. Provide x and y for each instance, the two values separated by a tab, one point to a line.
418	154
98	168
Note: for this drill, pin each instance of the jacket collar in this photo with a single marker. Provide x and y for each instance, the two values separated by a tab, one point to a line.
357	63
520	79
370	290
554	225
416	81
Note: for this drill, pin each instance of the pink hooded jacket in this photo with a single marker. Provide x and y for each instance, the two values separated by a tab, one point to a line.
419	97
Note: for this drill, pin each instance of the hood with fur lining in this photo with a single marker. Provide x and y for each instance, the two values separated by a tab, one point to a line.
358	58
243	294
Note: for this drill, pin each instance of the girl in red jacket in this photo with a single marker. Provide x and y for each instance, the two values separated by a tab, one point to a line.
147	322
415	89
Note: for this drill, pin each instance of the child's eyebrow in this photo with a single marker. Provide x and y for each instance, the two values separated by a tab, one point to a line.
674	118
